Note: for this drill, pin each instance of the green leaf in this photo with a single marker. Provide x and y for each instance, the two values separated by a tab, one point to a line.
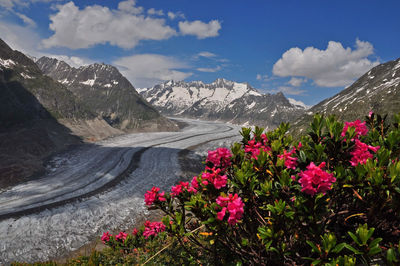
374	250
313	247
375	242
355	238
354	250
316	262
338	248
390	255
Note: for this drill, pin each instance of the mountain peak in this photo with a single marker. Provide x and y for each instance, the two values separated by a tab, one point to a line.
221	100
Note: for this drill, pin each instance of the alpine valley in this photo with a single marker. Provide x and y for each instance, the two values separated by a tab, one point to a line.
223	100
40	116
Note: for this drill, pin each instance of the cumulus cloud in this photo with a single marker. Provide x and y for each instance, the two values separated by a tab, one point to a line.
200	29
210	69
124	27
129	6
153	11
146	70
296	82
175	15
333	67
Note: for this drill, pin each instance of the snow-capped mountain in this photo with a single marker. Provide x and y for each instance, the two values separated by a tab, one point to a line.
108	93
377	90
222	100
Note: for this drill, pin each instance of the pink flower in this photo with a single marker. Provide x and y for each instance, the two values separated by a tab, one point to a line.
361	128
254	147
361	153
135	231
152	228
215	178
221	214
106	237
152	195
121	236
221	157
315	180
370	114
178	189
234	205
290	162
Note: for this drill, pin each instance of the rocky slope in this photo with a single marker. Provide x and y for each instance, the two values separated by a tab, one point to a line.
29	103
222	100
109	94
377	90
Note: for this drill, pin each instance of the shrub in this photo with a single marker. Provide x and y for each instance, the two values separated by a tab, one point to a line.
332	198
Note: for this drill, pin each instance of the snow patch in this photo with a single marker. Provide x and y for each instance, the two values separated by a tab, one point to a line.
26	76
7	63
298	103
251	105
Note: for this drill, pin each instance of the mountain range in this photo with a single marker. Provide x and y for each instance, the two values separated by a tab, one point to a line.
222	100
108	93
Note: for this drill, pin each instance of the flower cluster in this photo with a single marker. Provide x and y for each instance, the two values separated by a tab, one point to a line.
106	237
152	195
121	236
290	161
254	147
361	153
220	157
213	175
361	128
152	228
315	180
181	187
234	205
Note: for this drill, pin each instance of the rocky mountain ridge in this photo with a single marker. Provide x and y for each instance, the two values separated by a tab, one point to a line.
108	93
222	100
377	90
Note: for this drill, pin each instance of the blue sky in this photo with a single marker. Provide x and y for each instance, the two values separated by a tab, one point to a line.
309	50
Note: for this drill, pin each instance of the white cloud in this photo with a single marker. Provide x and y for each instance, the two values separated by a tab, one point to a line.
28	21
75	28
200	29
336	66
129	6
9	4
206	54
173	15
20	38
296	82
26	40
153	11
73	61
205	69
146	70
